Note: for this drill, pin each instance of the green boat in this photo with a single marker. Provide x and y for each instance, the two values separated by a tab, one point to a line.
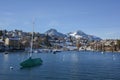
31	62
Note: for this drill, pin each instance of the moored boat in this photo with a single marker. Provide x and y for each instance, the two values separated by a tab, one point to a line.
31	62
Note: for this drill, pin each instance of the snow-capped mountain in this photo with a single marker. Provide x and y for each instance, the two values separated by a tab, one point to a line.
54	33
81	34
78	34
92	37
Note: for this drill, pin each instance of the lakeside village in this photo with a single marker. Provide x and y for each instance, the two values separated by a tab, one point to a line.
17	40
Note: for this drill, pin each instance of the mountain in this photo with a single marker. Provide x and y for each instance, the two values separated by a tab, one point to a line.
78	34
92	37
81	34
54	33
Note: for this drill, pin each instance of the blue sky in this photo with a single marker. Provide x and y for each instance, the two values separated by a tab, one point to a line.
96	17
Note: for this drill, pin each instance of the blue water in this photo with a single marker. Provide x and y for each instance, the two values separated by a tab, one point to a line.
62	66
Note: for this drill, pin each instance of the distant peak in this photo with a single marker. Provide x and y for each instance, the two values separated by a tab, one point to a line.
52	30
79	32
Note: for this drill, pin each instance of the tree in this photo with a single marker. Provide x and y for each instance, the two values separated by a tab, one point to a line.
78	43
1	33
47	43
118	44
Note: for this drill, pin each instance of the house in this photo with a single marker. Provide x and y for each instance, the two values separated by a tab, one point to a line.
13	43
2	47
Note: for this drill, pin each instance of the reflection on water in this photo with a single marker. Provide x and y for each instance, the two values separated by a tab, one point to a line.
74	57
114	57
5	57
62	66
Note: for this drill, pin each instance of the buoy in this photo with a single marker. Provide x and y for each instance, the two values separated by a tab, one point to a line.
11	67
102	52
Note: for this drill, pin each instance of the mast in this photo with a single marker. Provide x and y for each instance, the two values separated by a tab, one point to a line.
32	39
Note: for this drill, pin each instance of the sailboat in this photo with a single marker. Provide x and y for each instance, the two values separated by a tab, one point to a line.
31	62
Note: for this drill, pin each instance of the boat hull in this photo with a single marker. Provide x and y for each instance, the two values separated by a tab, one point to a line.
31	62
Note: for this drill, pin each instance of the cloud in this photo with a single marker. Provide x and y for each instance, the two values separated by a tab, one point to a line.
6	13
9	13
7	18
53	24
113	35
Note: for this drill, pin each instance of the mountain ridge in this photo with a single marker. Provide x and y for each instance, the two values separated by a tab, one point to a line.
77	34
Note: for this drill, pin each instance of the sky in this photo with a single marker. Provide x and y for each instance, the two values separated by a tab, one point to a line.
95	17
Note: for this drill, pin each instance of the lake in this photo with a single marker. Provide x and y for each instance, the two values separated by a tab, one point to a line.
68	65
